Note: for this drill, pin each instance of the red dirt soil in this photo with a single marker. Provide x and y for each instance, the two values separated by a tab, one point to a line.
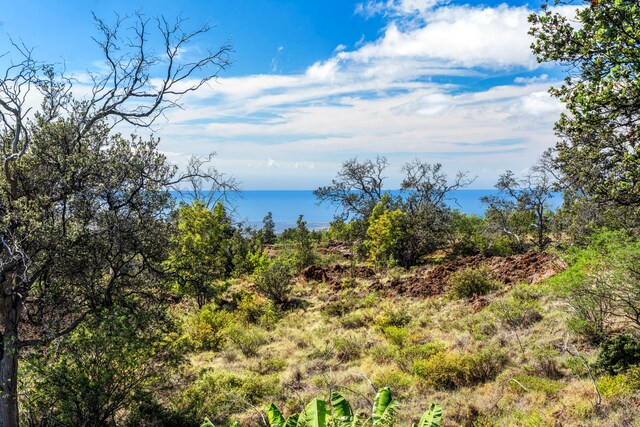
531	268
424	281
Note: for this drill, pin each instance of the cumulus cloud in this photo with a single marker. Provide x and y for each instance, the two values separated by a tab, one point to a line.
539	103
412	92
465	36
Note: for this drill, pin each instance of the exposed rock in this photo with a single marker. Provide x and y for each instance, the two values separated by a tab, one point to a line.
531	268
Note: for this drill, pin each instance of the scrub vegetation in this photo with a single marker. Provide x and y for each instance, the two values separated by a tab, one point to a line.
121	306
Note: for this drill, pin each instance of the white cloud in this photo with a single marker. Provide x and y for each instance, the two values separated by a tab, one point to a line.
324	71
534	79
394	96
462	36
395	7
539	103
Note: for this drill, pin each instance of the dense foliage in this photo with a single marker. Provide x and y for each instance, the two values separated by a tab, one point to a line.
598	148
125	309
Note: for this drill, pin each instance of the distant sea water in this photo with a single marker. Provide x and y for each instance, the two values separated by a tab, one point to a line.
250	206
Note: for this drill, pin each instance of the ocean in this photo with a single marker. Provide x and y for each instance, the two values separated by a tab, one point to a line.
250	206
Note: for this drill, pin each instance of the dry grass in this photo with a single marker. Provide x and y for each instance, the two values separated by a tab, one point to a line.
315	349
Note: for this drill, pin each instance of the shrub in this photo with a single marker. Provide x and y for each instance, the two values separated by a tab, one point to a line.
395	335
342	305
346	348
393	316
257	310
470	282
150	413
423	351
611	387
409	354
444	370
392	377
633	378
521	310
357	319
486	364
300	251
481	325
268	365
206	328
275	283
384	353
247	338
386	233
601	286
545	362
101	371
219	395
619	353
535	383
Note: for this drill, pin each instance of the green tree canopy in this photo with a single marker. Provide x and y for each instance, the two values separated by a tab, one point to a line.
200	254
82	209
598	151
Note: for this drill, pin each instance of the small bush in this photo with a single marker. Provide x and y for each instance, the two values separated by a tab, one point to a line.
393	316
342	305
370	300
257	310
545	362
619	353
535	383
346	349
633	378
219	395
395	335
423	351
205	330
521	310
151	413
470	282
384	353
443	370
393	377
482	325
409	354
447	370
355	320
275	283
268	365
486	364
611	387
247	338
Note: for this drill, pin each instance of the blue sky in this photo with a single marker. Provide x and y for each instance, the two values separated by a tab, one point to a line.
316	82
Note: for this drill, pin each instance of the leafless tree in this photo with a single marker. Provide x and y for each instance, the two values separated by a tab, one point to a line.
357	187
137	86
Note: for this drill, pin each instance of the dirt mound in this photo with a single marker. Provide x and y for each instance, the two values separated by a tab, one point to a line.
529	268
335	272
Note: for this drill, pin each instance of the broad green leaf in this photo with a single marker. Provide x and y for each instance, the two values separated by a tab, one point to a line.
341	408
292	421
384	407
207	423
275	417
432	417
315	413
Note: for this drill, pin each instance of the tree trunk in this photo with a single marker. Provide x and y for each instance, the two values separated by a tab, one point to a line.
9	317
